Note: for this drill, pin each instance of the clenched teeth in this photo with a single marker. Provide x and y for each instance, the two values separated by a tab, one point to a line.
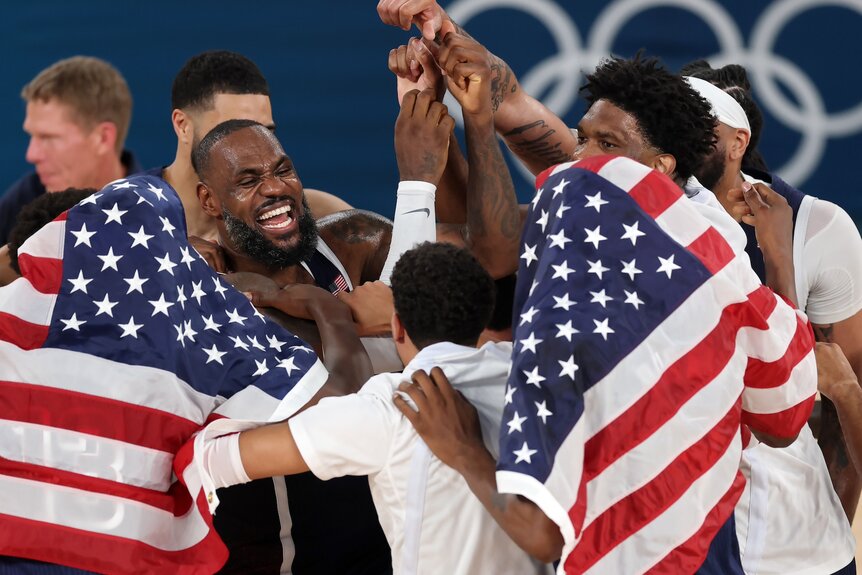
273	213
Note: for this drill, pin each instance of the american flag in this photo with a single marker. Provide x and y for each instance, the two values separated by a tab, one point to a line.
642	342
117	346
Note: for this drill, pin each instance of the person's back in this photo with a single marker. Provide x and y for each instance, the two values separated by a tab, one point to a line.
432	520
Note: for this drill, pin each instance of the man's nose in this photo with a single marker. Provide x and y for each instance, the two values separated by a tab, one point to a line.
273	186
35	152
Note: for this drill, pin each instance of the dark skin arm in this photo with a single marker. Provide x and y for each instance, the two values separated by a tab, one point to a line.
771	217
449	425
343	354
534	133
492	229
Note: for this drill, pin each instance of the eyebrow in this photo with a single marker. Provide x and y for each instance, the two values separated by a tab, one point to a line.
256	171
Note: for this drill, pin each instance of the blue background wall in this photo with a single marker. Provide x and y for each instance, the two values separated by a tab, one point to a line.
334	99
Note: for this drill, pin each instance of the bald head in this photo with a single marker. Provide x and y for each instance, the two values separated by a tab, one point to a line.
202	151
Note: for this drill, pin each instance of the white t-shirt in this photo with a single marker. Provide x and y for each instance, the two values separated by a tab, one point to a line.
789	520
433	522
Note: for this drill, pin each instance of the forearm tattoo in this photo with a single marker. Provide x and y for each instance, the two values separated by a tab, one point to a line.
535	140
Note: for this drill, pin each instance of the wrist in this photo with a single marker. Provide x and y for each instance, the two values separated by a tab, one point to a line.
843	390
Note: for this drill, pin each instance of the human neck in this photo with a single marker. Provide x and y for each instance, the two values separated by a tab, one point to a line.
731	179
112	169
182	178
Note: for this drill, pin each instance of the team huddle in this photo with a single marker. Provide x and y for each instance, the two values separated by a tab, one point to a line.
208	367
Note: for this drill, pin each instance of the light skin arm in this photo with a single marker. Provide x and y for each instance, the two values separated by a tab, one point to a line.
270	451
449	426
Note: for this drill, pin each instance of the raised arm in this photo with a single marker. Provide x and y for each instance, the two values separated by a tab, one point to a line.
492	228
534	133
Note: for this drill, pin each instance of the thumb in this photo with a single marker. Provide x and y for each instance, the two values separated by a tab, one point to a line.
753	198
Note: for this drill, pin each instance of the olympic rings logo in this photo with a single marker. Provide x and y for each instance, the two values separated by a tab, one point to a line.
809	118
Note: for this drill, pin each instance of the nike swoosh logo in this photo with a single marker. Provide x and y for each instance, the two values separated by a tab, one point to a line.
426	210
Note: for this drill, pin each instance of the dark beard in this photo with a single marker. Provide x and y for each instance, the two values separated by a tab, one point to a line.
253	243
712	169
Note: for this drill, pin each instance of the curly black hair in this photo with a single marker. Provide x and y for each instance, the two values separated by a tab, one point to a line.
441	293
733	79
215	72
39	212
670	114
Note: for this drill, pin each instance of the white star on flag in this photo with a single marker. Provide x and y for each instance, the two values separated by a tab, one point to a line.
530	343
109	260
543	220
213	354
288	365
79	283
559	239
534	378
529	254
542	411
600	297
210	324
595	201
234	317
632	233
105	306
597	268
261	368
667	266
136	283
562	271
524	454
166	265
72	323
528	315
603	328
568	367
83	236
140	238
632	298
130	328
515	423
559	188
630	269
563	302
566	330
115	214
594	237
161	306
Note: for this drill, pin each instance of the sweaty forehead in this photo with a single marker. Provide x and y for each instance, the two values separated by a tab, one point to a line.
252	147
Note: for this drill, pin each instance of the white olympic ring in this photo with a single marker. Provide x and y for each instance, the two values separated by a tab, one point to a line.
560	74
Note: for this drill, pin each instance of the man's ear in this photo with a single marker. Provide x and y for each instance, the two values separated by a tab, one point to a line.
183	127
398	332
739	145
664	163
209	201
105	134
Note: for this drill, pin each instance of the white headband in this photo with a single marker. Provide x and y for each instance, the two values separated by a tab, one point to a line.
724	107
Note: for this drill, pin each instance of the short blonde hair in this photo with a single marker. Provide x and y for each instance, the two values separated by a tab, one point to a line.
92	88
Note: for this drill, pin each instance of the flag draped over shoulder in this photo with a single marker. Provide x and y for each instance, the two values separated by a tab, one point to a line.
641	344
117	345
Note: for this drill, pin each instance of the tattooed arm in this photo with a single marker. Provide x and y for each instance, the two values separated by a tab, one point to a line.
492	227
837	434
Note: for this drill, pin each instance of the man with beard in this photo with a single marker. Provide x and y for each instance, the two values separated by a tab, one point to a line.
780	532
251	189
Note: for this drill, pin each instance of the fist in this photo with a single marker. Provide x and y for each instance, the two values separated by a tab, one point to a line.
422	137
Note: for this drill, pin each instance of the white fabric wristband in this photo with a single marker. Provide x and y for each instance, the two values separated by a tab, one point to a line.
415	221
222	461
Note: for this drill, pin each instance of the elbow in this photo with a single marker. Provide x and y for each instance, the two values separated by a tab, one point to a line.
774	440
544	541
